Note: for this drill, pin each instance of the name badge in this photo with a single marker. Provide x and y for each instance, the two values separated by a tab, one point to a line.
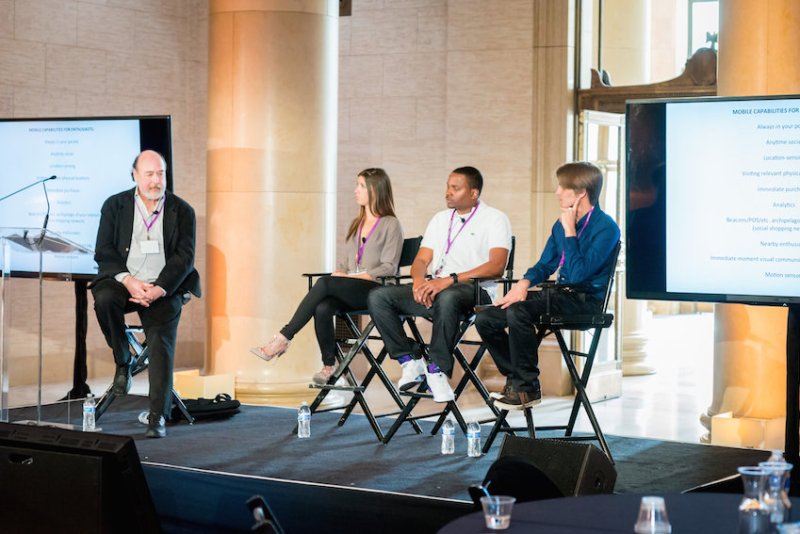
149	247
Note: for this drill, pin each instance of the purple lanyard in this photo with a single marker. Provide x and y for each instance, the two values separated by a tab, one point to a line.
450	228
588	216
153	217
363	244
451	240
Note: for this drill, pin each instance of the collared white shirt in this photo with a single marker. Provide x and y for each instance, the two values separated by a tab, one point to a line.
145	267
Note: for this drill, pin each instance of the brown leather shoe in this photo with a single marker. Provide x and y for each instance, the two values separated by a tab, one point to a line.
519	400
499	395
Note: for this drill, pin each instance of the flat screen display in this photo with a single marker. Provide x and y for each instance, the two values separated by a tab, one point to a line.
90	159
713	199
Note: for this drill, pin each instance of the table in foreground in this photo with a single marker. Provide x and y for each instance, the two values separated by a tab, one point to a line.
709	513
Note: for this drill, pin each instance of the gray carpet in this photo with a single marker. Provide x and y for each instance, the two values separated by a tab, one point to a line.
258	441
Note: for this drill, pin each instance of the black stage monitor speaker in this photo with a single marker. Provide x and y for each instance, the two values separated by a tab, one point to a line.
56	480
570	468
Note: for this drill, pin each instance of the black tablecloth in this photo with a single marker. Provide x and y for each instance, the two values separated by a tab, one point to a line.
706	513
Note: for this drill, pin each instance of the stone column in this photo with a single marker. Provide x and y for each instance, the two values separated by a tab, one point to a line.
759	53
273	76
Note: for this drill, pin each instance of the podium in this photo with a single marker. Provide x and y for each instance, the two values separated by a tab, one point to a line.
32	253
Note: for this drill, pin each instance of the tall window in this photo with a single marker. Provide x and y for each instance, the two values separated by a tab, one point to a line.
703	24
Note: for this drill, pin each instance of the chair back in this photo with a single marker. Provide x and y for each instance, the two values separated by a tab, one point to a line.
611	270
409	252
510	263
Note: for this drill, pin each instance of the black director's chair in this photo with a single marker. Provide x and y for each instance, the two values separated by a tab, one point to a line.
557	324
139	362
469	366
358	345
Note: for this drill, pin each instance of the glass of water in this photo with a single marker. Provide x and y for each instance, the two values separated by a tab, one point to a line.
497	511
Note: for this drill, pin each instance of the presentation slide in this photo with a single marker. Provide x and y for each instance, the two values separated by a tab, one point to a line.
90	159
733	223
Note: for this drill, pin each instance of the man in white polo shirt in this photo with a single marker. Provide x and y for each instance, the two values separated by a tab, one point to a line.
468	240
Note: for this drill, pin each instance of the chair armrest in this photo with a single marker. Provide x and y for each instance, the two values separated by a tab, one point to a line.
577	322
479	279
507	283
311	277
395	277
566	287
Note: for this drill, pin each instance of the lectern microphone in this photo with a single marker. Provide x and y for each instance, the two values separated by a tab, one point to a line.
21	189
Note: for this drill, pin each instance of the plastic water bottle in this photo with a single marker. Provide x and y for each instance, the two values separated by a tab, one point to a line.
473	439
304	421
448	437
89	408
777	457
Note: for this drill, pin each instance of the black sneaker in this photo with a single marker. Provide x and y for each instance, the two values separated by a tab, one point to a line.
122	380
519	400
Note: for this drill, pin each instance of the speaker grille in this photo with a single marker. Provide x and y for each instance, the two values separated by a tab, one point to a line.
575	468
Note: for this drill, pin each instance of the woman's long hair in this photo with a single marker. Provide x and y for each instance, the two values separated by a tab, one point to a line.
381	201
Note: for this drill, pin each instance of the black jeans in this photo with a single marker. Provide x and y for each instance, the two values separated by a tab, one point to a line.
160	324
329	296
516	352
450	306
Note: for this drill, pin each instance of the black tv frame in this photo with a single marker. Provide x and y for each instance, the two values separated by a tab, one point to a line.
640	258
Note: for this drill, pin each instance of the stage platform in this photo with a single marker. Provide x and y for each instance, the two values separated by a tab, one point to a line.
342	479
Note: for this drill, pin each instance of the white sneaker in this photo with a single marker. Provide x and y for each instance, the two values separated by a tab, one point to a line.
413	372
439	385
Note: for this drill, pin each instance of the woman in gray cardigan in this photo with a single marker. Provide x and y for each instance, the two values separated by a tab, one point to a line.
373	244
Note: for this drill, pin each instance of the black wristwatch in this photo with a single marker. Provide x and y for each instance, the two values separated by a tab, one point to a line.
454	276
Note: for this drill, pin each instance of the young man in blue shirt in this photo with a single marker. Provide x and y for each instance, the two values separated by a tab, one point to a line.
578	250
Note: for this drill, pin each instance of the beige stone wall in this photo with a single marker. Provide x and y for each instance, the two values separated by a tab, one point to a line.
430	85
425	86
62	58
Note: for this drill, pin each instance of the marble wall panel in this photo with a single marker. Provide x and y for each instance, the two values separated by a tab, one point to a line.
6	100
362	7
431	118
76	69
46	21
38	102
397	119
168	9
360	76
390	31
22	63
142	76
105	28
7	18
432	28
490	24
365	120
418	74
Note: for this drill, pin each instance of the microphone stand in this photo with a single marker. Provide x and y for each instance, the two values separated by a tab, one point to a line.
47	213
21	189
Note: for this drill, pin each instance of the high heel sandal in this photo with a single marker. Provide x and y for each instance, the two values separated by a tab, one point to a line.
275	348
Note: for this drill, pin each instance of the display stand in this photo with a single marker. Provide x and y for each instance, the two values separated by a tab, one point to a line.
29	253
